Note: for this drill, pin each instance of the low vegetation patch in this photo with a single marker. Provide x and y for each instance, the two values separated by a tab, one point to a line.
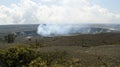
27	56
18	56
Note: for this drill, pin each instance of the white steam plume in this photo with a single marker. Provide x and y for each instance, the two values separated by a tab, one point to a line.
58	29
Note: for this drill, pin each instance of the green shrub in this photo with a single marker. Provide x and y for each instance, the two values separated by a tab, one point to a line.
16	56
38	63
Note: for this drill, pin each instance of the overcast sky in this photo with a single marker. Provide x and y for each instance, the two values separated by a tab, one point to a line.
59	11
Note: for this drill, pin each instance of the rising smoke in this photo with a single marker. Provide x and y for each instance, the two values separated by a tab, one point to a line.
49	30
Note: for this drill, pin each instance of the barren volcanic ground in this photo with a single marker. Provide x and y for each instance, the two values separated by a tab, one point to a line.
97	49
85	49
